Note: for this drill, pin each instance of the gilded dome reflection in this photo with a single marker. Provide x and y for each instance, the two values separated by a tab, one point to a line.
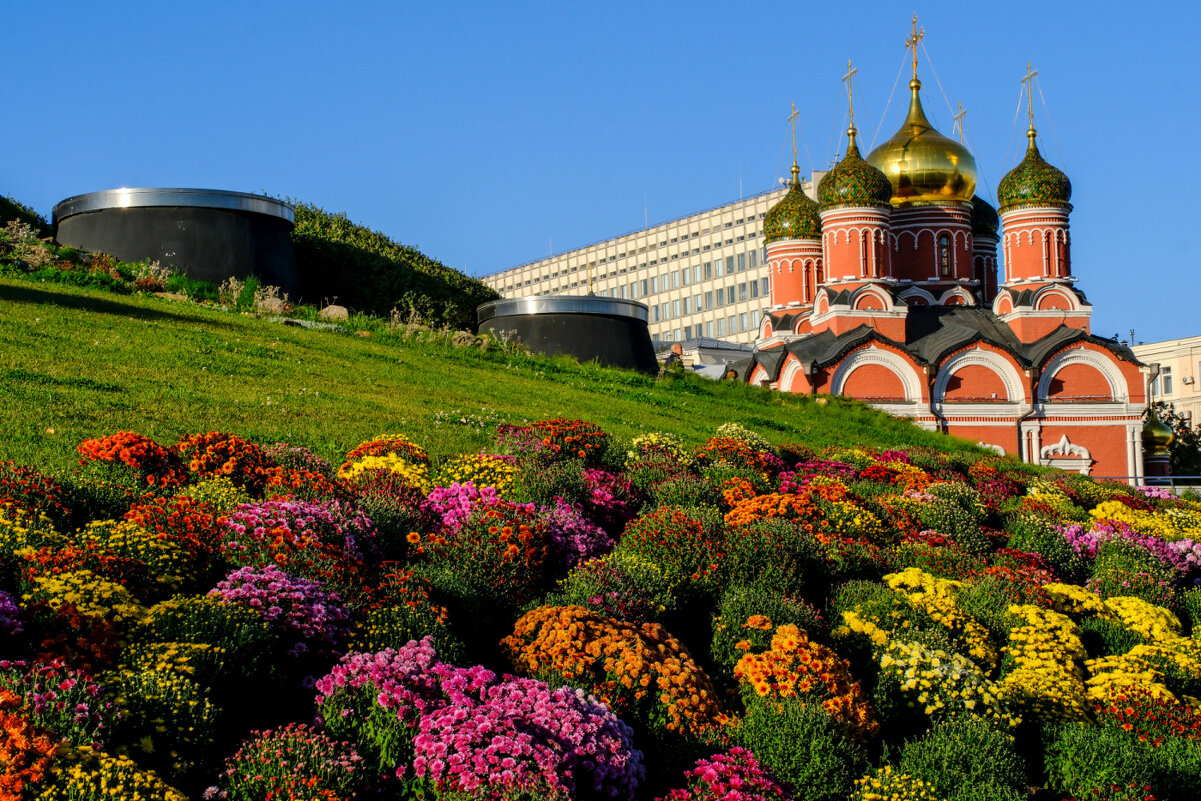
922	164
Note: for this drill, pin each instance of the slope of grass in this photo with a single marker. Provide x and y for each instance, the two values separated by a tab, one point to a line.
77	363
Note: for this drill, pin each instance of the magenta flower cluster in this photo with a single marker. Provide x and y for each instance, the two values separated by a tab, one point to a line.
10	615
612	500
403	681
1182	555
518	440
577	537
453	505
333	522
292	606
472	731
520	735
64	701
792	481
732	776
1156	493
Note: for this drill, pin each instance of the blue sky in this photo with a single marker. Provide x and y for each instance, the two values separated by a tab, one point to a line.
488	133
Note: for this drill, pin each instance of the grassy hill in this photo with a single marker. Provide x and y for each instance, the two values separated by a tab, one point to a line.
77	363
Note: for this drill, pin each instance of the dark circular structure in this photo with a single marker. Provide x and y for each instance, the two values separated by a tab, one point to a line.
610	330
207	234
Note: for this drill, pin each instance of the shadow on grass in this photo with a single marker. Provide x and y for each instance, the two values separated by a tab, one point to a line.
50	297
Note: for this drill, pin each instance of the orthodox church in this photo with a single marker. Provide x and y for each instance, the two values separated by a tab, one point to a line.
886	290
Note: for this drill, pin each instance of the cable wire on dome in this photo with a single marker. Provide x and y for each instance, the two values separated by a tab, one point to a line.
888	105
1051	125
934	72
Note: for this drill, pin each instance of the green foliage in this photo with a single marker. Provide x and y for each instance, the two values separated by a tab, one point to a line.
563	479
801	746
779	557
619	585
739	604
1103	637
1083	759
961	754
365	270
11	209
1029	532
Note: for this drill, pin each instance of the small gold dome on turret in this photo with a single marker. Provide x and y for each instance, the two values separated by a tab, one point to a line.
923	165
1157	437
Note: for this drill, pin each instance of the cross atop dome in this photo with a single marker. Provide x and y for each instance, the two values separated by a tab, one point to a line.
912	43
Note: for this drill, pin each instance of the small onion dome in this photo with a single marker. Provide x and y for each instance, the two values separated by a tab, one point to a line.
1157	436
922	164
853	182
1034	182
984	217
794	217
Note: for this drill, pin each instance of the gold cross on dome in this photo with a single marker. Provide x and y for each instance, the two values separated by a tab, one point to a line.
1029	81
913	41
850	90
959	122
792	118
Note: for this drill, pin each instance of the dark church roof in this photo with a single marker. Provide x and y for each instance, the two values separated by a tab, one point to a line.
933	332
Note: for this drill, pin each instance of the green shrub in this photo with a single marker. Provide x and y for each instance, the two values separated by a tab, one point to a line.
685	490
1103	637
11	209
563	479
1084	759
368	271
960	754
737	606
620	585
778	556
1029	532
802	747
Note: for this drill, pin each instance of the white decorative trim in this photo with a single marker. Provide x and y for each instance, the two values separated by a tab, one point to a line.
1065	448
910	382
958	292
915	290
1118	391
1014	385
787	380
1066	456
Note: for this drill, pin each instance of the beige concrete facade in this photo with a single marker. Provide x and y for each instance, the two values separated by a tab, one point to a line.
1179	381
701	275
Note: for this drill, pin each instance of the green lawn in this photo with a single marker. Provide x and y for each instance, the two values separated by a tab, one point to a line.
79	363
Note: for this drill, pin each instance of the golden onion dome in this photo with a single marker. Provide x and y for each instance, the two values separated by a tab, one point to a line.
794	217
1157	436
923	165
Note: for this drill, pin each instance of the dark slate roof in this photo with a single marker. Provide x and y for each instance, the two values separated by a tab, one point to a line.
932	332
771	360
1025	297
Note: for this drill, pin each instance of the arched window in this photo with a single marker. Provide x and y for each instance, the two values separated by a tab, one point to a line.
944	255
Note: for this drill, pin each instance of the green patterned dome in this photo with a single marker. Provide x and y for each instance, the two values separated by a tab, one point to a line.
984	217
853	182
794	217
1034	182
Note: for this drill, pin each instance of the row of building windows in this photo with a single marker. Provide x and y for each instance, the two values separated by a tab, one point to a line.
591	265
698	272
702	301
722	326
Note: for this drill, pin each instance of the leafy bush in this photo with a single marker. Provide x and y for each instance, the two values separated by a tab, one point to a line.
1082	759
959	754
803	748
368	271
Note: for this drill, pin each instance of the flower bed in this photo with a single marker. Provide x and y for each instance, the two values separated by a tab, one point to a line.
572	617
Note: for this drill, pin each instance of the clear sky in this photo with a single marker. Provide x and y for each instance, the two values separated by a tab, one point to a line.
489	133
